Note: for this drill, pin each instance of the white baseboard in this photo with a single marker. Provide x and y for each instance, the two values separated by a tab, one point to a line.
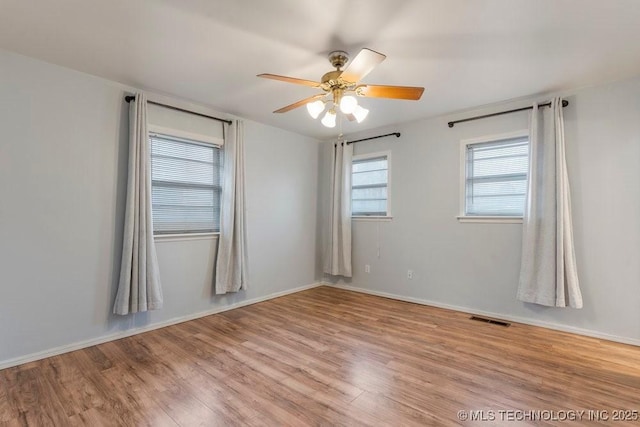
517	319
123	334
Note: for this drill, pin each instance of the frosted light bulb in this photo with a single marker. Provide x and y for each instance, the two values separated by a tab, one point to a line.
315	108
329	119
348	104
360	113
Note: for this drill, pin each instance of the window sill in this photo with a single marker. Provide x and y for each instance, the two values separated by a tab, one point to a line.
491	219
372	218
186	236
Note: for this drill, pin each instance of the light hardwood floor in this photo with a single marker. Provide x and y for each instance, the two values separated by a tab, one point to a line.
326	357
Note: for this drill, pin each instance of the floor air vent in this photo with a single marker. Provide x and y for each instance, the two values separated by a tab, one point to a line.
492	321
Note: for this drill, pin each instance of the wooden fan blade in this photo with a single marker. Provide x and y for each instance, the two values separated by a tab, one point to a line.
361	65
395	92
289	80
299	103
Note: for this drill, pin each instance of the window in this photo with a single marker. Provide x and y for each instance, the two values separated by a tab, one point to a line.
370	185
185	181
495	176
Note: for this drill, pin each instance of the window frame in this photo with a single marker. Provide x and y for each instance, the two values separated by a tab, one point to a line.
463	217
365	156
196	139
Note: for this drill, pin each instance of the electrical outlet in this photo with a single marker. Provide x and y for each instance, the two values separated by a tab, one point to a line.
409	274
367	268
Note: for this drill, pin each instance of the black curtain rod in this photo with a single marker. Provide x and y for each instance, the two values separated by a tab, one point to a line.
130	98
397	134
547	104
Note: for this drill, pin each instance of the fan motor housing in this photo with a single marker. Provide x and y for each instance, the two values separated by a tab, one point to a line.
331	75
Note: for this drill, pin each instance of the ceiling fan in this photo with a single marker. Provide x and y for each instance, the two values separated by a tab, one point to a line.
339	85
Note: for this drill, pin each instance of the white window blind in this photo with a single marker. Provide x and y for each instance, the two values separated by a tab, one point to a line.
369	186
185	180
496	177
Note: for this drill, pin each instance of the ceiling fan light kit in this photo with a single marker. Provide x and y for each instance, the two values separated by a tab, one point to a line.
341	86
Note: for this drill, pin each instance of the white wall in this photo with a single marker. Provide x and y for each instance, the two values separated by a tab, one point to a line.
63	160
476	266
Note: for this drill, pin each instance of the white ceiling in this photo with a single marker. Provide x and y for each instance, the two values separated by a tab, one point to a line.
465	53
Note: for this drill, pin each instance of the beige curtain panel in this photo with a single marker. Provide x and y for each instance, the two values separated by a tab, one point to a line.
338	255
139	287
548	274
232	260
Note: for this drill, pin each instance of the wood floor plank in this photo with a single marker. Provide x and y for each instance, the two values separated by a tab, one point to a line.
324	357
137	398
14	422
7	414
386	410
32	400
221	398
300	407
186	409
75	391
